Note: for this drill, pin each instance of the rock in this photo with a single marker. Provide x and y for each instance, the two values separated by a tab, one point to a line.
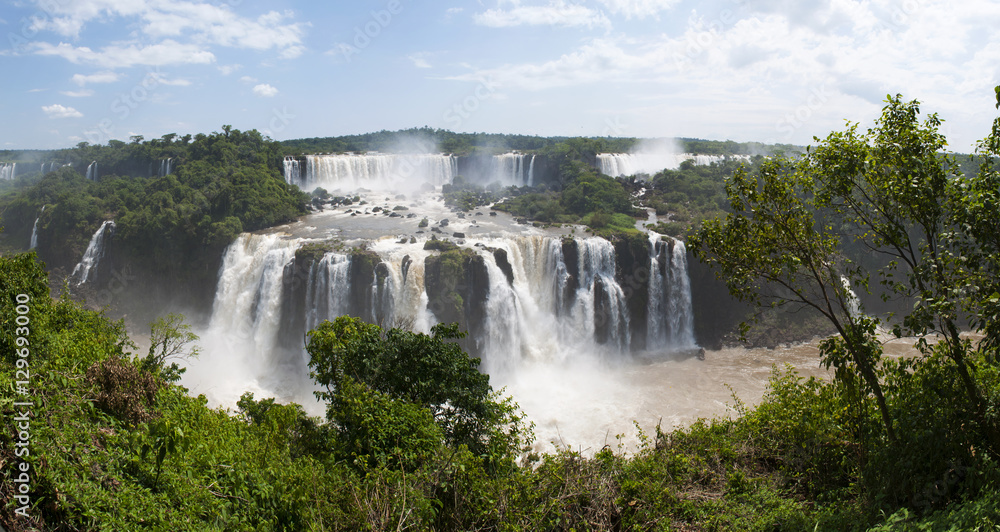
443	223
458	235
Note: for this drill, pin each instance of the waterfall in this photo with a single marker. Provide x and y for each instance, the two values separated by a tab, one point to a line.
92	171
34	235
293	172
670	320
95	252
510	169
34	230
545	298
327	289
166	167
372	171
7	171
531	172
248	298
628	164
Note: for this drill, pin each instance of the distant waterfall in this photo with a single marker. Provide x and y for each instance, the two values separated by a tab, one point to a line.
628	164
166	167
34	230
95	252
377	171
92	171
327	289
7	171
511	169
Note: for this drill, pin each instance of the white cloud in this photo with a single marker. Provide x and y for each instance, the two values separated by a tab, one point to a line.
419	60
264	90
203	24
638	8
229	69
557	13
78	94
105	76
248	79
121	55
58	111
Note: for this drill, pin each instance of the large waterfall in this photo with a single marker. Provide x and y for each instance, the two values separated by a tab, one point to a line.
378	171
543	297
627	164
85	269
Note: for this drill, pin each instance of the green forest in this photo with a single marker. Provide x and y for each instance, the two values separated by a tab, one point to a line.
98	436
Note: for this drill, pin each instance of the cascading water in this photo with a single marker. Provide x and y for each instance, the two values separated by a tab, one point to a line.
7	171
92	171
670	322
510	169
627	164
34	230
166	167
85	269
372	171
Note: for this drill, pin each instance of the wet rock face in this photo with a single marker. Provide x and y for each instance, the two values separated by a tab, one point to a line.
457	284
504	264
632	272
571	258
602	312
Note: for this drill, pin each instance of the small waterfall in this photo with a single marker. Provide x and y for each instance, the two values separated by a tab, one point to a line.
628	164
34	235
293	172
531	172
92	171
95	252
670	319
851	300
34	230
372	171
166	167
7	171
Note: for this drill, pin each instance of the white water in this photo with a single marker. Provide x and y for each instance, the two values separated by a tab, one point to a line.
92	171
371	171
628	164
166	167
7	171
514	169
94	253
534	326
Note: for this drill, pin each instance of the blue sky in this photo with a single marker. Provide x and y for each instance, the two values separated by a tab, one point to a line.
761	70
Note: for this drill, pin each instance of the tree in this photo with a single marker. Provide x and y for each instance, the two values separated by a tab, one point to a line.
349	356
170	340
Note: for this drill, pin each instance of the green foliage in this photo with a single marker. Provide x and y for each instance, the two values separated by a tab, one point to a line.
431	372
170	341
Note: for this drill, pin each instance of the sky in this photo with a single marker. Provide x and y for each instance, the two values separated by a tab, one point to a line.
774	71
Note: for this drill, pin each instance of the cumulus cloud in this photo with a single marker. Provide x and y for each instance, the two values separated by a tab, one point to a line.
59	111
198	25
557	13
264	90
